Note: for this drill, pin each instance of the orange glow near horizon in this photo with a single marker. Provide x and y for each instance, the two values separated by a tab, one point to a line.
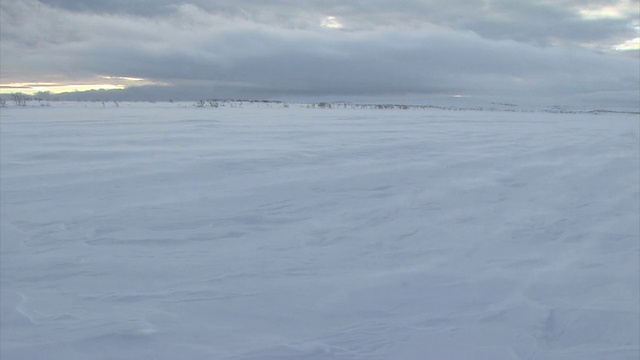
54	88
100	83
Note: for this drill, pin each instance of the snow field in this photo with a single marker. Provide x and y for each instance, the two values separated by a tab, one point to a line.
158	231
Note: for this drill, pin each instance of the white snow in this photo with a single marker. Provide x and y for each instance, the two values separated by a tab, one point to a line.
166	231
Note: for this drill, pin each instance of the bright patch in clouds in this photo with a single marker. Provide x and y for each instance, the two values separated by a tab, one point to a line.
332	23
622	9
32	88
633	44
111	83
608	12
123	78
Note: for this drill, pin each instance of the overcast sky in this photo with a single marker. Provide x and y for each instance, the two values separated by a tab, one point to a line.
271	49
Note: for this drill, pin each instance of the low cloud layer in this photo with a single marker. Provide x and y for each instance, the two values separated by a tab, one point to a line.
325	48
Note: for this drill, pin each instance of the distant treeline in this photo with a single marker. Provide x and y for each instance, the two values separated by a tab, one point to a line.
44	99
20	99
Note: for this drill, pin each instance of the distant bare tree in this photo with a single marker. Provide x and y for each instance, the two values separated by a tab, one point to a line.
20	99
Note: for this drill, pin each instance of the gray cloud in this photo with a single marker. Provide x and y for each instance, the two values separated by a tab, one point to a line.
539	21
385	48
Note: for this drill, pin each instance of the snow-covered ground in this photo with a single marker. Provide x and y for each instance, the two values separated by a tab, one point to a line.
166	231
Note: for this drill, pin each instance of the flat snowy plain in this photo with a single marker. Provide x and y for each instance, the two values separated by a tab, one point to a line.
166	231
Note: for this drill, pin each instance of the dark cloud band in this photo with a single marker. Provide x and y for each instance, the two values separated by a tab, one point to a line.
247	47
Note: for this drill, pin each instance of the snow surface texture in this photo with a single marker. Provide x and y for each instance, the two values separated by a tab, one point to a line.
167	232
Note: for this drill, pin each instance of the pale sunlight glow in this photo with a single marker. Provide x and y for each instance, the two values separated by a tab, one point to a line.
32	88
619	10
100	83
608	12
633	44
127	78
331	22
